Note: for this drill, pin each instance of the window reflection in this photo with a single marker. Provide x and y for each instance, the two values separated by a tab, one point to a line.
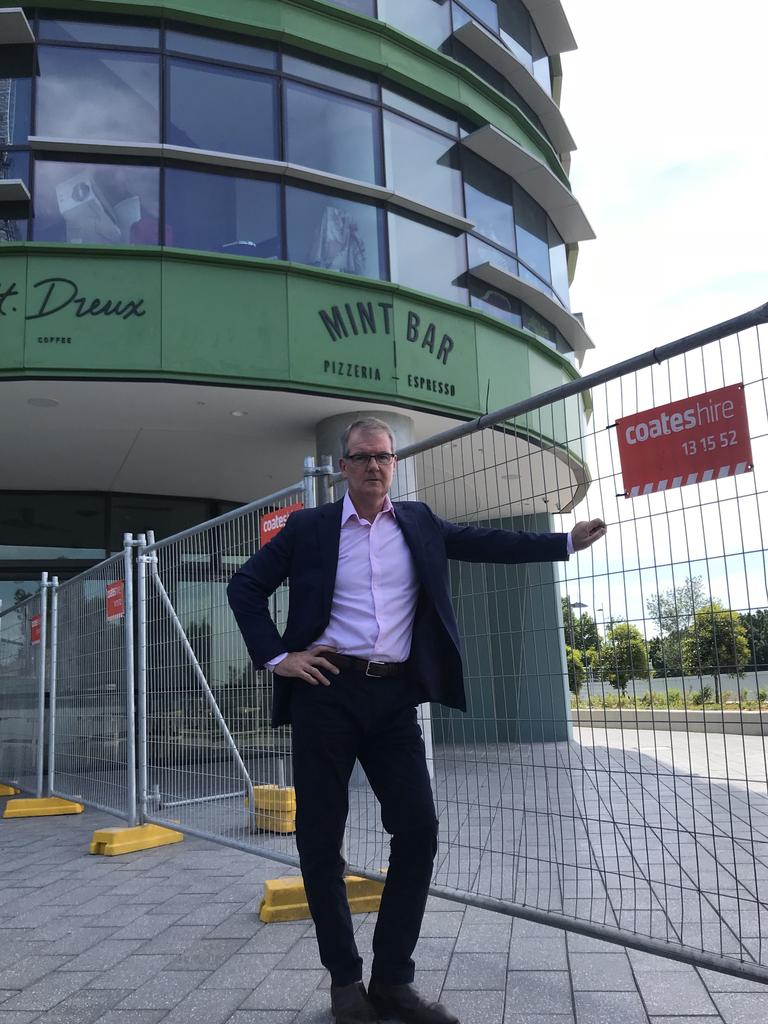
422	164
96	204
532	235
219	49
415	108
206	106
35	525
106	32
426	20
218	213
499	304
334	233
332	77
426	258
489	201
15	95
332	133
361	6
99	95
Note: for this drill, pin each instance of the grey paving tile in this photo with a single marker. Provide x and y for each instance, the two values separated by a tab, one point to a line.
716	982
304	954
131	1017
317	1010
244	971
132	972
674	993
206	1007
79	939
26	972
208	913
148	926
6	994
275	938
511	1017
440	924
475	1007
539	992
741	1007
433	954
18	1017
206	955
82	1007
284	990
601	972
688	1020
238	926
484	971
182	903
263	1017
538	954
484	936
49	991
174	939
609	1007
102	956
164	991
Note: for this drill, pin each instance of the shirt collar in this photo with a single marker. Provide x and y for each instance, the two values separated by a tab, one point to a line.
348	510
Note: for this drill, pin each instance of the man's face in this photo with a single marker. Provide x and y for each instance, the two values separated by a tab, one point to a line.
367	480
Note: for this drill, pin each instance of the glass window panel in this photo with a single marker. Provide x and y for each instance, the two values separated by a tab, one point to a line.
515	30
486	10
220	49
96	204
15	94
40	525
332	133
480	252
222	109
14	163
334	233
532	238
105	32
541	69
93	94
489	196
427	259
14	225
426	20
323	75
219	213
11	592
538	325
418	110
499	304
558	261
422	164
361	6
136	514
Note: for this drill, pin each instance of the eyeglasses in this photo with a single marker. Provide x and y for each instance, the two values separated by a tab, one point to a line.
361	459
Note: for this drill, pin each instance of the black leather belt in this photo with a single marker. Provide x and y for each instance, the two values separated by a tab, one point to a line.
377	669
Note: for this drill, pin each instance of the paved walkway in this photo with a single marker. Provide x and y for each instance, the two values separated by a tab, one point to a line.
173	936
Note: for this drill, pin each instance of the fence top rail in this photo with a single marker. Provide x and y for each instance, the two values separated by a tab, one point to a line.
253	506
90	573
21	604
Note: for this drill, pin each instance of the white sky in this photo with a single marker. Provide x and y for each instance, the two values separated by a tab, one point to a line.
667	103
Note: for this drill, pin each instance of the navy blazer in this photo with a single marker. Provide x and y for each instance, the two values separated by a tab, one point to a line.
306	552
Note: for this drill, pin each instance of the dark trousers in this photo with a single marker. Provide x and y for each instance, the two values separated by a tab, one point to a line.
373	720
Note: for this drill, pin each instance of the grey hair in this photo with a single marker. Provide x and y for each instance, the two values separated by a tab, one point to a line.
368	425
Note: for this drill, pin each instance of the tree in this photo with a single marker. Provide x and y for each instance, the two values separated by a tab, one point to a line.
716	644
757	636
623	656
673	611
580	630
576	671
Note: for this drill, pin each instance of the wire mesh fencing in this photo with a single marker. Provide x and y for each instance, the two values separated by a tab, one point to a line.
92	754
23	649
211	763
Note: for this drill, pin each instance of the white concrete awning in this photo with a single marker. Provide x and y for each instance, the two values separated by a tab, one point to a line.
552	24
569	325
535	177
493	51
14	27
13	190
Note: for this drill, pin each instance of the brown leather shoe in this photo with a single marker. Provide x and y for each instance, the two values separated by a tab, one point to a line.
404	1003
351	1005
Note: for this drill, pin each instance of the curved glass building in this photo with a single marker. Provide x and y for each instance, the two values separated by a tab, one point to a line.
226	227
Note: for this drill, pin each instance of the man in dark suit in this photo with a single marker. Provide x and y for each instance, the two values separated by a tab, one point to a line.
370	634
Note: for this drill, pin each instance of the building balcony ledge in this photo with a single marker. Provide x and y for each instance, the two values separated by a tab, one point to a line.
13	190
569	325
493	51
15	30
552	25
279	168
535	177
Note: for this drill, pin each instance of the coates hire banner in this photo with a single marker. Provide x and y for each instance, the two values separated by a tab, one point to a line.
271	523
702	438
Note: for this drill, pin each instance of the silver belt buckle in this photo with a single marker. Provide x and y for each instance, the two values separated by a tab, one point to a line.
374	675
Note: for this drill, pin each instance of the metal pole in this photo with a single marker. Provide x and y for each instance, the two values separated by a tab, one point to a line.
41	681
324	474
141	671
310	482
130	725
52	682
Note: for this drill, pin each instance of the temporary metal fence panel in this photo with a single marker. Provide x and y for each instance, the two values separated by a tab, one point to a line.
212	764
23	648
93	756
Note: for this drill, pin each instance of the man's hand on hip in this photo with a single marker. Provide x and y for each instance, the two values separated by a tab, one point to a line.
307	665
584	534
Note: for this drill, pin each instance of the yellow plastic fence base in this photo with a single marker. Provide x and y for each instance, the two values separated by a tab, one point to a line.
38	807
274	809
111	842
8	790
285	899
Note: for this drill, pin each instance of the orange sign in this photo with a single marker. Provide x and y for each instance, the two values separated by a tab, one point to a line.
34	630
271	523
702	438
115	600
